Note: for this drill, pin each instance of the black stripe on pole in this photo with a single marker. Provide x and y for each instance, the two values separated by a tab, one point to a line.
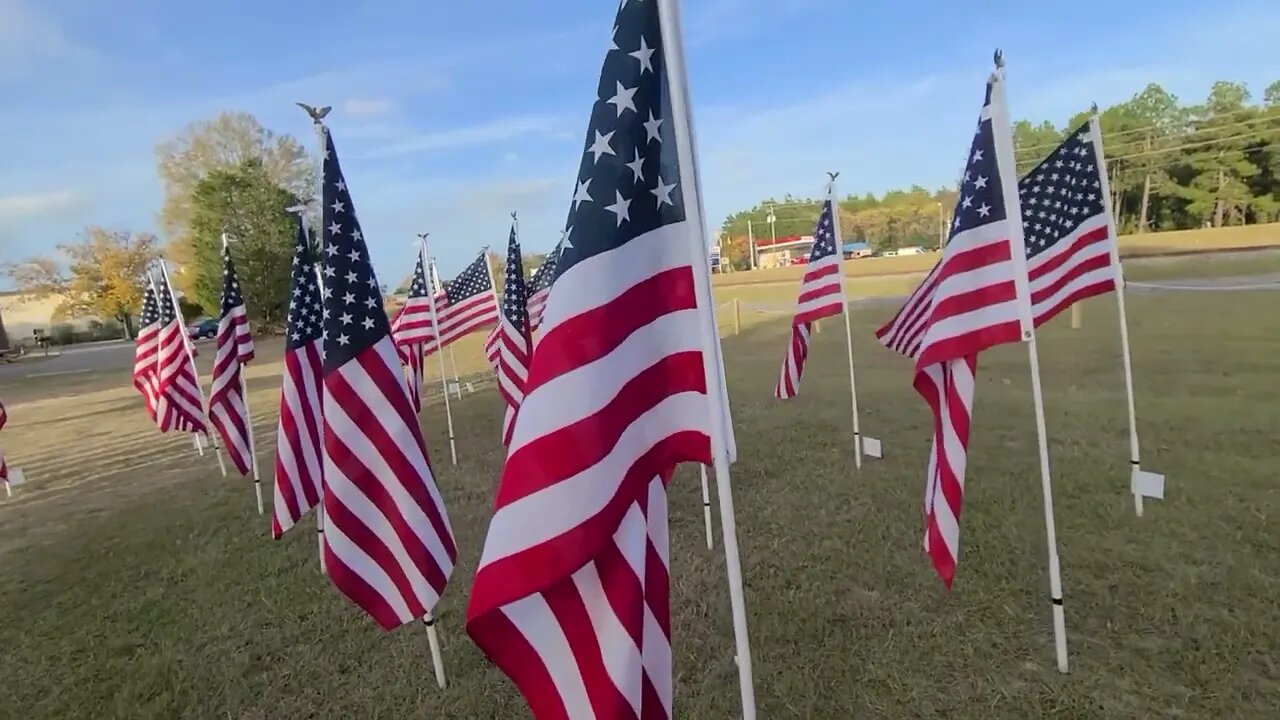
1055	601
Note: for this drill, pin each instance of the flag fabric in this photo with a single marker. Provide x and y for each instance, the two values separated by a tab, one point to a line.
299	479
540	286
469	304
146	348
1064	221
514	345
968	303
388	545
821	295
411	329
570	598
4	467
181	402
228	410
492	348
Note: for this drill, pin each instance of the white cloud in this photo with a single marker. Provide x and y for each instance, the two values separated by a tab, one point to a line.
487	133
22	207
29	36
368	107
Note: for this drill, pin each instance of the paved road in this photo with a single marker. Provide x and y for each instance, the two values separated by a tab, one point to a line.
72	360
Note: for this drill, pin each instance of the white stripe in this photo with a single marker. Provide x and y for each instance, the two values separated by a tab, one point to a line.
550	512
533	619
618	652
361	564
657	646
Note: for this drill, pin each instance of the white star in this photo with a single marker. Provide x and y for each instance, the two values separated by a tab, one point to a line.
354	255
663	192
370	302
651	128
367	323
345	318
351	276
328	271
637	166
348	298
343	339
342	184
601	146
966	202
984	210
338	206
580	195
621	208
623	99
331	250
977	155
613	39
981	182
644	55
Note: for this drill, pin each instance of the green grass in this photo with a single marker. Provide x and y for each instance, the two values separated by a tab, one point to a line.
141	591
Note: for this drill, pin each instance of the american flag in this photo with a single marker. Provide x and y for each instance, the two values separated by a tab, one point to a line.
181	401
388	545
540	286
1067	231
570	598
492	349
411	329
515	348
227	408
469	304
821	295
299	468
968	303
4	467
146	347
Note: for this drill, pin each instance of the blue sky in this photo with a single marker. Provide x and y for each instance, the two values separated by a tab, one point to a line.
450	115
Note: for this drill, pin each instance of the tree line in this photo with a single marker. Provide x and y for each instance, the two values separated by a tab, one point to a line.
1172	166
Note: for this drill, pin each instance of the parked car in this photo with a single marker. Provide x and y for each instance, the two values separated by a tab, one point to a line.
201	329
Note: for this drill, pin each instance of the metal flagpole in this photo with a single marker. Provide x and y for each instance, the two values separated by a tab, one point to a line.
248	419
186	345
430	268
433	640
1009	184
722	443
706	506
317	117
844	310
1136	474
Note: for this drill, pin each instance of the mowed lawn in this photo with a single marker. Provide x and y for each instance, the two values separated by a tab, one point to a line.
135	582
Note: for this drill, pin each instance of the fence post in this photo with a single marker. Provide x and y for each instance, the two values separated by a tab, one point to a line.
817	326
1076	314
737	316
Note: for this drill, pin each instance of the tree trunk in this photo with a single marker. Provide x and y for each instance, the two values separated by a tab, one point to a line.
1220	204
1146	203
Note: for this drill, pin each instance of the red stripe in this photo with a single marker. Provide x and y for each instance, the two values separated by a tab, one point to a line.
566	604
503	643
1037	270
1102	287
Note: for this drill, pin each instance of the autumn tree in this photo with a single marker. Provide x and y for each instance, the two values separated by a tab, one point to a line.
245	204
100	276
223	143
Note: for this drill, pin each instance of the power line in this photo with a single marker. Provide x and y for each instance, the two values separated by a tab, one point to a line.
1159	126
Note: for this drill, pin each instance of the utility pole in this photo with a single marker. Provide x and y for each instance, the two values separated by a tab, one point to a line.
751	241
942	228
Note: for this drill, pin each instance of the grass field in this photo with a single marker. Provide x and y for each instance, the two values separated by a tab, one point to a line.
136	582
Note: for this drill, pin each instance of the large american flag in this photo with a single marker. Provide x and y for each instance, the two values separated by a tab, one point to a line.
388	545
411	330
821	295
181	401
968	303
146	376
299	478
515	348
469	304
570	598
1064	220
227	407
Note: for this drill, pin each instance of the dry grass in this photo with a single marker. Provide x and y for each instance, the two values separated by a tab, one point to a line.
138	590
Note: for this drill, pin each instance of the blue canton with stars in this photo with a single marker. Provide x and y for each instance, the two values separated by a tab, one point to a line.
824	236
150	314
470	282
546	272
167	311
1061	192
629	180
418	286
231	297
303	326
981	200
354	319
515	294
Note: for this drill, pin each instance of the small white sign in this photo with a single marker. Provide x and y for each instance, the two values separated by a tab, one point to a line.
456	389
871	447
1147	484
471	388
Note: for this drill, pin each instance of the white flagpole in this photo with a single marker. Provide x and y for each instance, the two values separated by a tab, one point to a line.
430	269
1135	459
186	345
437	659
722	443
706	506
1003	135
844	310
453	359
248	419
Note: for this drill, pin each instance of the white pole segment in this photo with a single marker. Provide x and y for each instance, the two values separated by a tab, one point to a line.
1002	131
191	357
848	331
717	398
1135	459
706	506
430	269
437	659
